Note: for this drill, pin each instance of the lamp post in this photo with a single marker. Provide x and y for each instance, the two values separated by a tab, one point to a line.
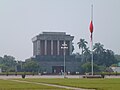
64	47
16	69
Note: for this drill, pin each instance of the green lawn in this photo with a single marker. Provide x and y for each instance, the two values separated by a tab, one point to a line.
12	85
98	84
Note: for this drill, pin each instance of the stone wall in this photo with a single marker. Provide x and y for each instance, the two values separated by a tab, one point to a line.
47	63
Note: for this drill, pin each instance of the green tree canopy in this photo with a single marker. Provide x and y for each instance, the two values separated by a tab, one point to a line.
31	65
7	63
87	67
103	56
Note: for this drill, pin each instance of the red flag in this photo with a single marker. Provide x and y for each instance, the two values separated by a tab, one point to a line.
91	27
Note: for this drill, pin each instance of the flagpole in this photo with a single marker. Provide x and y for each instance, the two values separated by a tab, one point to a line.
92	12
92	68
92	56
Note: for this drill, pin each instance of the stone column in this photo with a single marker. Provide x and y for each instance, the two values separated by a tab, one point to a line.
58	48
45	47
70	45
34	48
51	47
38	47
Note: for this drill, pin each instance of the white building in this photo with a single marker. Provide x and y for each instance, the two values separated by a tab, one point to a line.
116	69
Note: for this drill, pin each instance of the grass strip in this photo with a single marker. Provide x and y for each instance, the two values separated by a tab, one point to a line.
11	85
98	84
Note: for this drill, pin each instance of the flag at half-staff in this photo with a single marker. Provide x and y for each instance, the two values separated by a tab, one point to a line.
91	29
91	37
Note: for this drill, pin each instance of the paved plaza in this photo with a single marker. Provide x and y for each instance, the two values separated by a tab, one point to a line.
48	76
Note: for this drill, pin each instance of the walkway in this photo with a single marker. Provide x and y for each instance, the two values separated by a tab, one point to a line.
59	86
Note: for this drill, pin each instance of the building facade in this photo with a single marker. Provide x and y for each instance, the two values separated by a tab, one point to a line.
50	43
47	50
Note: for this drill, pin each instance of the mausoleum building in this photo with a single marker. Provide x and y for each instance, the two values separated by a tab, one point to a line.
50	43
47	50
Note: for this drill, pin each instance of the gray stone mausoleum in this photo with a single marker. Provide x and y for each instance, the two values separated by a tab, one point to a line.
47	50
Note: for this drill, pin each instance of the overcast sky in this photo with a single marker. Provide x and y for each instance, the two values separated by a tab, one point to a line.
20	20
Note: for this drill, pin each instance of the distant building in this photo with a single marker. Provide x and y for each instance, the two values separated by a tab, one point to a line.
116	69
47	50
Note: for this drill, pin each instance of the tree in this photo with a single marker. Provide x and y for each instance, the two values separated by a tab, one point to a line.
82	45
86	67
87	55
117	57
1	60
98	52
98	48
103	56
109	58
31	65
8	63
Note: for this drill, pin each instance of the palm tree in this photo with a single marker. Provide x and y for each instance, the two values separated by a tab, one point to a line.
82	45
99	54
87	54
109	58
98	48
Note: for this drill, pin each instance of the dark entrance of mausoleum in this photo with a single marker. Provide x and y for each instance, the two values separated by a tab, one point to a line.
57	69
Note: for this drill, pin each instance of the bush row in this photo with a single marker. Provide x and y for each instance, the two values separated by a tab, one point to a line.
19	73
